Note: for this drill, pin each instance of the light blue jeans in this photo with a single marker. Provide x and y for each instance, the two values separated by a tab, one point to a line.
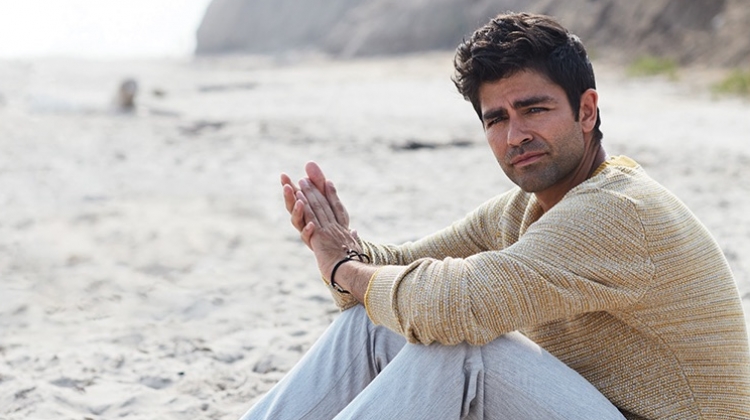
358	370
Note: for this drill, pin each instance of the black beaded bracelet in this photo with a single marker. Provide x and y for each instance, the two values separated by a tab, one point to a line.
351	255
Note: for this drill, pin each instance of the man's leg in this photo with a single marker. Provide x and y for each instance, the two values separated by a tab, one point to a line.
344	360
509	378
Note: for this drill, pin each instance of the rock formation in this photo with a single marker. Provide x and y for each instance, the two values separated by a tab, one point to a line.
690	31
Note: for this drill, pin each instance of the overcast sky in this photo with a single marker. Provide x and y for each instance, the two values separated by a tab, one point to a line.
99	28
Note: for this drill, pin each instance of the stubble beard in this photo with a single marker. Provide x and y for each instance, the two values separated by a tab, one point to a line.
539	176
553	168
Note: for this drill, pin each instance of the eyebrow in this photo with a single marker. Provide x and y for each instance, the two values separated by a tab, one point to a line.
534	100
521	103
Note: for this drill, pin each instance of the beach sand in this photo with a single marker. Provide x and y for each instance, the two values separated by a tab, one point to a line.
147	265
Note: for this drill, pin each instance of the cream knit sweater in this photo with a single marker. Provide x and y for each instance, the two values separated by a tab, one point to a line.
619	280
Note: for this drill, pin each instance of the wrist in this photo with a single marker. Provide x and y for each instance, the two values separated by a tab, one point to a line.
351	257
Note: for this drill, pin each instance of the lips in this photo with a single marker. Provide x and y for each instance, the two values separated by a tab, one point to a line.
526	158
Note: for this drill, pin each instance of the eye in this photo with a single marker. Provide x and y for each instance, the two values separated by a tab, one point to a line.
494	121
536	110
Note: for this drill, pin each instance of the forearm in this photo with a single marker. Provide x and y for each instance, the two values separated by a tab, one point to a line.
471	235
531	282
448	242
478	299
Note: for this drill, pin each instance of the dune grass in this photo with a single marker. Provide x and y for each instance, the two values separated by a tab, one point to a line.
653	66
736	82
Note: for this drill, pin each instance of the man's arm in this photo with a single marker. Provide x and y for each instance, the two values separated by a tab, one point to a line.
330	239
316	208
295	205
354	277
567	263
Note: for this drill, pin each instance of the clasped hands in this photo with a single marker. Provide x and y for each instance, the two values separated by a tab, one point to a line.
323	223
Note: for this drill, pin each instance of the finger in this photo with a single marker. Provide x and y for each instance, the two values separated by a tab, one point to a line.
339	211
316	175
286	180
289	197
299	196
289	190
317	203
306	234
307	211
298	215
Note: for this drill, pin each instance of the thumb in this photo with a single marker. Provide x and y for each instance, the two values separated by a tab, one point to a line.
306	234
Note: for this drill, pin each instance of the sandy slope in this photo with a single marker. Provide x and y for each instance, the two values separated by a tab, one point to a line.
147	268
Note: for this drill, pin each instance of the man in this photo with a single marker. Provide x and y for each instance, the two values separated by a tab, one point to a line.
630	304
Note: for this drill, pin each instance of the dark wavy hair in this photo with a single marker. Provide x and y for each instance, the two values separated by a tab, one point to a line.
515	42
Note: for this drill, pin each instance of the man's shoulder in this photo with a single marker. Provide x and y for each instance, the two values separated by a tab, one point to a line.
620	161
619	189
619	178
623	190
618	169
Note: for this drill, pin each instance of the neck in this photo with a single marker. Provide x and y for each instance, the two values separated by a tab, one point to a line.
592	159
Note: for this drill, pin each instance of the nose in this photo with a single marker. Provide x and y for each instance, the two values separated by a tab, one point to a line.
518	133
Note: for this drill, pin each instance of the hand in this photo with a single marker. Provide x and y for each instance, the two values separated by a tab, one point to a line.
325	231
323	222
290	190
295	206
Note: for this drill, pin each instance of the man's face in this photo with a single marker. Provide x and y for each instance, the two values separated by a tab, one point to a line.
531	130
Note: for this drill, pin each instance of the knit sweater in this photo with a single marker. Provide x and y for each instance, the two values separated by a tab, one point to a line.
619	280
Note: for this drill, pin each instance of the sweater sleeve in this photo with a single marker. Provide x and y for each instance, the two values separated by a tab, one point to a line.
463	238
587	254
471	235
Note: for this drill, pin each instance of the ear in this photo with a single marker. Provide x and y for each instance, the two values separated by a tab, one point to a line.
588	111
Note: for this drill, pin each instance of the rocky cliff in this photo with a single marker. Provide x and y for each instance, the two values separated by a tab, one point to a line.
692	31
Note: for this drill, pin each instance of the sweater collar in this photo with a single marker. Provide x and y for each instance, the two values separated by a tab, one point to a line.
615	161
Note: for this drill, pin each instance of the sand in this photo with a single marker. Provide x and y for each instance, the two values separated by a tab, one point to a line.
147	266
